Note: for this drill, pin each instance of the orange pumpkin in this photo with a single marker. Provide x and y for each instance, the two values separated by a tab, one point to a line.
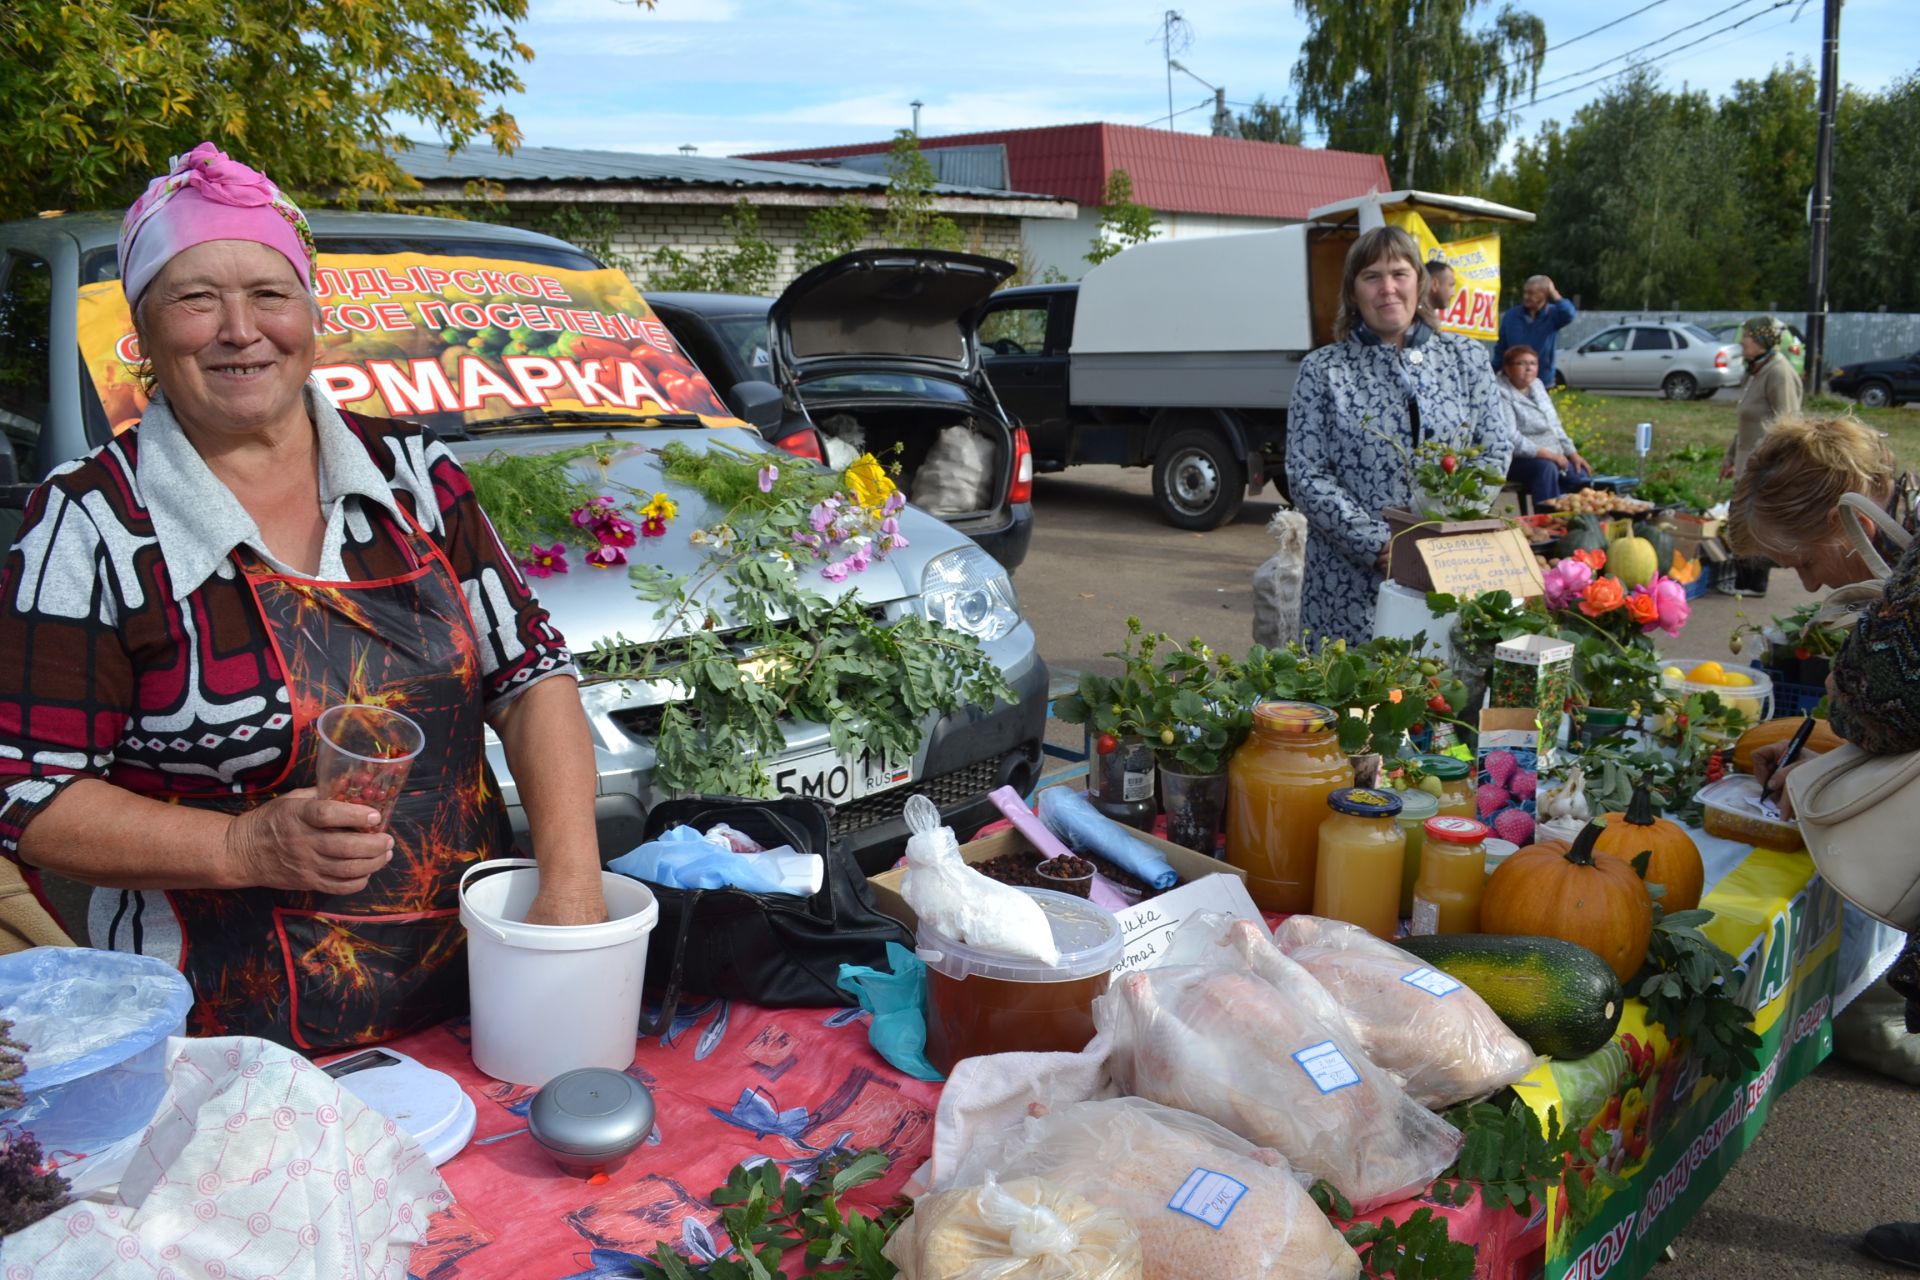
1577	895
1674	859
1820	741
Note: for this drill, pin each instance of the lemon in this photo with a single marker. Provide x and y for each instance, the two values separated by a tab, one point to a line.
1672	673
1708	673
1737	679
1748	707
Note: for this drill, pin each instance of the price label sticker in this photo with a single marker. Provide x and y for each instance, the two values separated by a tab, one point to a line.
1327	1067
1208	1196
1431	981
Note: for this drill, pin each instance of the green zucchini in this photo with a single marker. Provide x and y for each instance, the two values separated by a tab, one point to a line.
1560	998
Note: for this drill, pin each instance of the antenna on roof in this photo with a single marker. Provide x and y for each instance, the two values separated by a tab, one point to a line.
687	148
1176	37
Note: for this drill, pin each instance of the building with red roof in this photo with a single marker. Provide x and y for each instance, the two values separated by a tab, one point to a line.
1196	184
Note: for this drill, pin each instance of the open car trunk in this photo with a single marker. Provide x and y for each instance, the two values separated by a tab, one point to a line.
954	461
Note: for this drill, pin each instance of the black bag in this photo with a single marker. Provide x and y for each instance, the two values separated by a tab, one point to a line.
767	948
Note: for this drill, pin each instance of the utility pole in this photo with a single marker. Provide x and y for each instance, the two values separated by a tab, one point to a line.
916	104
1222	118
1822	210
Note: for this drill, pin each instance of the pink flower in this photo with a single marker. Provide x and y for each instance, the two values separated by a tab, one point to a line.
1670	598
614	531
822	515
653	527
768	474
896	502
606	556
861	560
835	572
889	526
601	508
542	561
1566	582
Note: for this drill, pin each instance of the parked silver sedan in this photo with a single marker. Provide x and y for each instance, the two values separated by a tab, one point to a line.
1681	361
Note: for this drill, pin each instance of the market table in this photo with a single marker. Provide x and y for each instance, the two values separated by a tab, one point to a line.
734	1082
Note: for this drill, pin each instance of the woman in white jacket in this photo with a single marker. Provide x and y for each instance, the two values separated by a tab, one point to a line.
1544	459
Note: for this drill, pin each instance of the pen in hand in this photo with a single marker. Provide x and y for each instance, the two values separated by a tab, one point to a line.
1787	757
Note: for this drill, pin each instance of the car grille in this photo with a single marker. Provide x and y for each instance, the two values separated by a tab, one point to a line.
946	790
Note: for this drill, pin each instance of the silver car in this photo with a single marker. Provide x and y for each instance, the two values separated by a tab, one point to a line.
1680	361
64	391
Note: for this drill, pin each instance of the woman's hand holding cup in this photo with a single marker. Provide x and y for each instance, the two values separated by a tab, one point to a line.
302	841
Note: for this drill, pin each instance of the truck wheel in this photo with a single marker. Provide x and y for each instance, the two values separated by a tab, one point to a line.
1197	481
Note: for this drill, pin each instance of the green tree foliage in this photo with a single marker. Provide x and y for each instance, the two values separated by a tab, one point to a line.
1268	122
1415	81
1123	221
748	265
1876	214
1772	125
833	231
912	222
95	95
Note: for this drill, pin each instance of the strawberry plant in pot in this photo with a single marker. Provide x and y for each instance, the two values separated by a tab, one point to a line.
1450	482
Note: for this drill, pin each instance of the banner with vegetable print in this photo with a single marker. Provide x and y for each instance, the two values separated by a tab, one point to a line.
1674	1133
450	341
1474	310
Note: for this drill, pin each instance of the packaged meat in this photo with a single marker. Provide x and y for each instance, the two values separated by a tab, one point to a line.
1026	1229
1431	1033
1205	1203
1229	1028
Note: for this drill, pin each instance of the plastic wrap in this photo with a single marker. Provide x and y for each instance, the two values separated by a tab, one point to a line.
1084	829
1430	1032
1229	1028
956	477
959	902
1026	1229
1206	1203
897	1001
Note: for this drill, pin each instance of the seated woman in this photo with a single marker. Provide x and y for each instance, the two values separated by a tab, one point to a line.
182	604
1544	459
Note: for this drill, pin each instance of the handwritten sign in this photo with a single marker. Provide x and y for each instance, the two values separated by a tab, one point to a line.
1472	564
1145	929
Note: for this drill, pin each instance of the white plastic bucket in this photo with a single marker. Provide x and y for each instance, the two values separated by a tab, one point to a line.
1401	613
552	998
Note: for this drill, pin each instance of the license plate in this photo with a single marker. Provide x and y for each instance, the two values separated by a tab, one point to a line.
837	779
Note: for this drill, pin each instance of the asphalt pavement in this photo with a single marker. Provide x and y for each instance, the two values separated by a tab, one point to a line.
1835	1157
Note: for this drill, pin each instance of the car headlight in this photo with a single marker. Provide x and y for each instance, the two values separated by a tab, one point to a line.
1836	373
969	591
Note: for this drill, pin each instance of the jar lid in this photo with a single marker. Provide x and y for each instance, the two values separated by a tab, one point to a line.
1417	805
1087	935
1363	802
1293	717
1452	830
1445	768
592	1111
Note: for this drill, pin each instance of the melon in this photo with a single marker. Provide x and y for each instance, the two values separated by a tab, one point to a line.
1631	559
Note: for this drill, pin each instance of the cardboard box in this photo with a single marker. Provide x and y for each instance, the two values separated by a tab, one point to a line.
1186	864
1534	671
1681	523
1405	528
1514	730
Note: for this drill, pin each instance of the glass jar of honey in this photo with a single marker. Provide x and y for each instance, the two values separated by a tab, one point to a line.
1453	875
1277	788
1415	808
1456	790
1362	853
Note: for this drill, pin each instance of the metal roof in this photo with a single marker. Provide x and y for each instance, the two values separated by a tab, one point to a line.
1172	172
565	164
983	166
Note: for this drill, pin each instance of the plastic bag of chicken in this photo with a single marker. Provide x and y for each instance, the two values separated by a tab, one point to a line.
1024	1229
1431	1033
1229	1028
1205	1202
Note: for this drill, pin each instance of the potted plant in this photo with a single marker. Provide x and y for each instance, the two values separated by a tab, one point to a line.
1197	715
1452	495
1113	712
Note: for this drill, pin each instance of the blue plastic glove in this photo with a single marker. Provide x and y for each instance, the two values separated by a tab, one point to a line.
682	858
898	1003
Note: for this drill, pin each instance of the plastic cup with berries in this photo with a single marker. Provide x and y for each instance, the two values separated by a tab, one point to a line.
365	754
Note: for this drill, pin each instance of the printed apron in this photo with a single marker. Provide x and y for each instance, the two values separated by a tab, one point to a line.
322	972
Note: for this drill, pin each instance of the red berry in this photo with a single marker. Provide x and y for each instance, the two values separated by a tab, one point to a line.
1107	744
1681	720
1449	464
1440	704
1803	654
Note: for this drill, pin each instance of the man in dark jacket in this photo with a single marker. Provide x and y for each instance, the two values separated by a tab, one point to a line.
1535	323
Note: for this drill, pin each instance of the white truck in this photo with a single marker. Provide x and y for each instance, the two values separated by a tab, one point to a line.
1181	354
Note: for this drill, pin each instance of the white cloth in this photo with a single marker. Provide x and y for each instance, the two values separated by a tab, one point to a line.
1535	422
257	1164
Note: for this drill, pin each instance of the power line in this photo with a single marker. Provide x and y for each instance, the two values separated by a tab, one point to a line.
1737	4
1148	124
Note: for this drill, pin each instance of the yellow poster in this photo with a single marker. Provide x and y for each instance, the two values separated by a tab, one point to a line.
452	339
1474	310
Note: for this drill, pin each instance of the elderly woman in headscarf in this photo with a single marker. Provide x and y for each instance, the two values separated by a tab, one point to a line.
1771	392
182	604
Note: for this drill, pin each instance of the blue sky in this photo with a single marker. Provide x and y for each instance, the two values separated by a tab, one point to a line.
729	76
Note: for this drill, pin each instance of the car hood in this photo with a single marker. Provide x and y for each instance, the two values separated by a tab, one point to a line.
590	604
885	305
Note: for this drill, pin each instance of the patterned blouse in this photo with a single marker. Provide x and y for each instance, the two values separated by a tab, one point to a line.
131	649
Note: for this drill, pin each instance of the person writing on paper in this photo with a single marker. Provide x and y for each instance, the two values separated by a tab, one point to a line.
1787	507
1361	406
182	604
1545	461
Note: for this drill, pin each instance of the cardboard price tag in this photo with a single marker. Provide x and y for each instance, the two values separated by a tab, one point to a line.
1473	564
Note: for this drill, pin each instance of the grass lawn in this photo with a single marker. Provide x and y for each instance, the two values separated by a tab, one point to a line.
1690	437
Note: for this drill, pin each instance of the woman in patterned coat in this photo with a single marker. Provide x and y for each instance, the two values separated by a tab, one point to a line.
1388	383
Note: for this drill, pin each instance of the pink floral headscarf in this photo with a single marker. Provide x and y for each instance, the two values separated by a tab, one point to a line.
206	196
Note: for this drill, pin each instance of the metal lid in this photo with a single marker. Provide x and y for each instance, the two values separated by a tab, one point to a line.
1451	830
1445	768
1293	717
593	1111
1363	802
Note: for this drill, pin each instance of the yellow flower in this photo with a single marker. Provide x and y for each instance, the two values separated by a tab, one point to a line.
661	508
869	482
